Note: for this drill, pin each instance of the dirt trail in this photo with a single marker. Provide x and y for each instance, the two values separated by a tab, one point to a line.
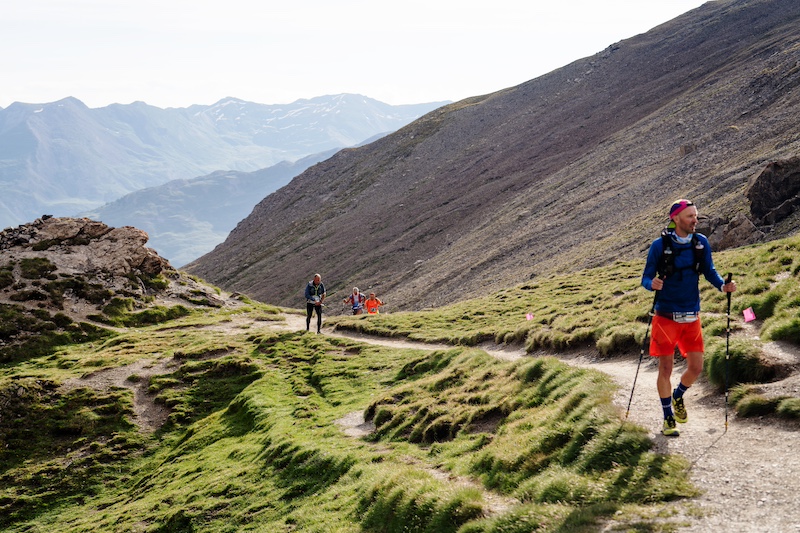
148	414
749	473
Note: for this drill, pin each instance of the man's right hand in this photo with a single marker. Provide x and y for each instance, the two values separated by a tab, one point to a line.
657	284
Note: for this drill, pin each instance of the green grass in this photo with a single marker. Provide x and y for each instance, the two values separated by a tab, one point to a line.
605	307
605	310
252	442
120	312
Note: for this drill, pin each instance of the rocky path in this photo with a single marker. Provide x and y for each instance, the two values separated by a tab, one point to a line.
749	473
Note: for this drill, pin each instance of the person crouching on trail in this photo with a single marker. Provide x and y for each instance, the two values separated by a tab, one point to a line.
356	301
315	295
674	265
372	304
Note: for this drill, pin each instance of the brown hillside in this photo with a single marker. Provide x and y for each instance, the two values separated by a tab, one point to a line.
572	169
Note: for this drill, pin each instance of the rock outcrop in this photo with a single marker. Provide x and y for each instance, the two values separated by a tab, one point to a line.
739	231
79	266
81	245
774	194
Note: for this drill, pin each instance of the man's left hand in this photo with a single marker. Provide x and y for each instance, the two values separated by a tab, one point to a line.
729	287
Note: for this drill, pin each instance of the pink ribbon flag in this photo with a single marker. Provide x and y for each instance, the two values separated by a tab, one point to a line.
529	316
749	315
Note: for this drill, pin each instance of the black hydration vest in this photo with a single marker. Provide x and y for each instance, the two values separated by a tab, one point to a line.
666	264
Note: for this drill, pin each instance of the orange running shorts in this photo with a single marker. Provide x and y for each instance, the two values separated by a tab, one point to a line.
667	334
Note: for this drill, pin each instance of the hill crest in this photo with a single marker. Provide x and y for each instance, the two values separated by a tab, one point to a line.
570	170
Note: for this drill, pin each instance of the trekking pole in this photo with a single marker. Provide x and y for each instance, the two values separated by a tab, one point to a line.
727	351
641	352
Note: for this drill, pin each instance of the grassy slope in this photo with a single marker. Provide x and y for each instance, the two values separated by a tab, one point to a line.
605	309
252	443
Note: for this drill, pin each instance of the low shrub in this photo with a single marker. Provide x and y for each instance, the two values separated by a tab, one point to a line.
36	267
756	405
118	307
6	278
789	408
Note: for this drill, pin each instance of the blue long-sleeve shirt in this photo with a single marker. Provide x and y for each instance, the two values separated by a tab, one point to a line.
681	292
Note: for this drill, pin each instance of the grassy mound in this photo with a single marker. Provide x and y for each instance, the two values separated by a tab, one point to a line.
258	436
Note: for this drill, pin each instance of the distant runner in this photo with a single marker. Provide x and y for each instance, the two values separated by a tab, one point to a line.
315	295
372	304
356	301
674	264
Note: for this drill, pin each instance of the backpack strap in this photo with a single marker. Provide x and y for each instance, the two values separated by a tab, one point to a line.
666	263
699	253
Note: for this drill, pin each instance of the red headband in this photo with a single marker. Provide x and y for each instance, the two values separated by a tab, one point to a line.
677	207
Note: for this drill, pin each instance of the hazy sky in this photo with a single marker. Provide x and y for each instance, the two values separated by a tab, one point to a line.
175	53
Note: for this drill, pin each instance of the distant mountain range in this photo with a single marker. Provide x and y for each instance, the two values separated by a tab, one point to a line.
188	218
63	158
573	169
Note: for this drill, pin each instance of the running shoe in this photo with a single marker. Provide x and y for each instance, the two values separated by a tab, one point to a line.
680	410
670	429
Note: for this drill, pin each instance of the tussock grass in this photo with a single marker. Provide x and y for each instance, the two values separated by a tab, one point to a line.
253	441
605	310
746	363
750	401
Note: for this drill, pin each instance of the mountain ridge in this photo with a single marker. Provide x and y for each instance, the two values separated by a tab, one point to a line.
63	158
496	189
186	218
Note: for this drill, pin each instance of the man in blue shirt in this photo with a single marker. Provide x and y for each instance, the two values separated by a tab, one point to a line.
674	265
315	295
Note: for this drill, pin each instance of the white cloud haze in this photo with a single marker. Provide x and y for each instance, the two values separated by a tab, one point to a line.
175	53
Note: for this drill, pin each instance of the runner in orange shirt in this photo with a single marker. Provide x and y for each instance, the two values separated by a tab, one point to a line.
372	303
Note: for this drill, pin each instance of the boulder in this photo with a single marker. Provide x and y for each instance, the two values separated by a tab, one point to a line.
740	231
64	229
774	193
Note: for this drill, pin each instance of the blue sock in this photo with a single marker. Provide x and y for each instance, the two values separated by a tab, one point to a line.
678	392
666	405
